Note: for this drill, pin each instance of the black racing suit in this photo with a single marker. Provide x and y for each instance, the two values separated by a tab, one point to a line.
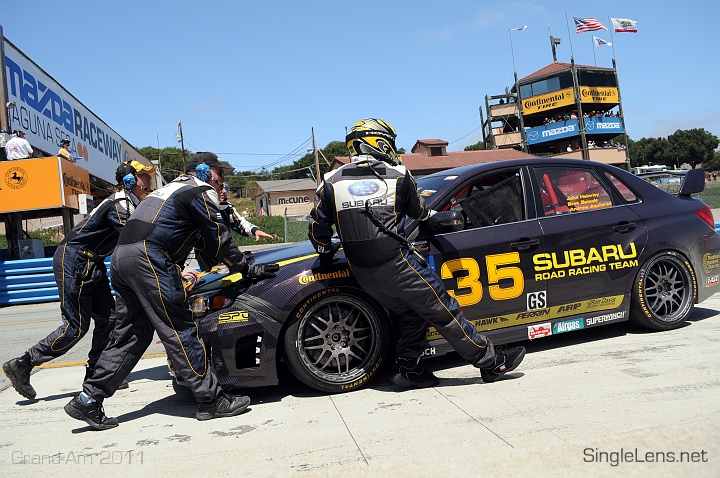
382	264
82	280
146	273
233	222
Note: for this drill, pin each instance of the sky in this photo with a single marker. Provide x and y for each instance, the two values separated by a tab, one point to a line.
249	79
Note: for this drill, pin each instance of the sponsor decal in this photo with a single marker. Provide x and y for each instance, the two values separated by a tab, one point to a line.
363	188
553	131
536	300
71	182
428	351
361	203
539	330
16	177
577	262
568	326
605	318
536	104
603	125
287	200
711	262
712	280
598	94
234	316
325	276
545	314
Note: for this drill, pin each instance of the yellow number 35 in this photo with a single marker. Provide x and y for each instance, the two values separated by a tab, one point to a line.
498	267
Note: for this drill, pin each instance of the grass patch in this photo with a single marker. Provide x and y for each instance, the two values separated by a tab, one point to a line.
297	231
50	237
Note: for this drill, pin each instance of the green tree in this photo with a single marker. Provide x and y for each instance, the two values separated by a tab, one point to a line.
171	160
692	146
479	146
648	151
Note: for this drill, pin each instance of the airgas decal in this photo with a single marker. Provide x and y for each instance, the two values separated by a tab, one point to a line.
305	279
568	326
577	262
234	316
545	314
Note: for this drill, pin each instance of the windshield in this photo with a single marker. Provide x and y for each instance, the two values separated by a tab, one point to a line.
429	185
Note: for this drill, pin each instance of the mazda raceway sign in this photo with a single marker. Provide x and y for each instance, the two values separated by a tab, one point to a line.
48	114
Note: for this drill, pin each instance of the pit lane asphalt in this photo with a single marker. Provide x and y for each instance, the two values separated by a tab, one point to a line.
577	398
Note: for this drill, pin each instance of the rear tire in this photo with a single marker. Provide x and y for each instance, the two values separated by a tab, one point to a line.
664	292
336	343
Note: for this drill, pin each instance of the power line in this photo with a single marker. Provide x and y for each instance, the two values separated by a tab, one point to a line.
471	132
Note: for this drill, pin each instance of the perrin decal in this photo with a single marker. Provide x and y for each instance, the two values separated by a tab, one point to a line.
576	262
548	313
325	276
568	326
235	316
539	330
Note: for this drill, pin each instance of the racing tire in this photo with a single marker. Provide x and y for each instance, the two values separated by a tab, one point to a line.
335	343
664	292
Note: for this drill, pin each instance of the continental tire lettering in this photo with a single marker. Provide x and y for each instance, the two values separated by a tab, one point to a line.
312	299
364	378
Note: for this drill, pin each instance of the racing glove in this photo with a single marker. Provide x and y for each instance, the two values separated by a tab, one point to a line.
262	271
326	257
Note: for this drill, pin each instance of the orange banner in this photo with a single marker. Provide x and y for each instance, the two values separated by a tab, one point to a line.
41	183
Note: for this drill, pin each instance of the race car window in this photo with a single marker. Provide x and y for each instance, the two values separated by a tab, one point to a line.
624	191
570	190
490	200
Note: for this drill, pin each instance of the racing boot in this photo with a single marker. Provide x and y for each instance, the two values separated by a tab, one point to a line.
92	414
223	406
89	373
18	371
506	360
409	372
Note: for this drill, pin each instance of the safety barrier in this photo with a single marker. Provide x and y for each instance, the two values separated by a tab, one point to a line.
30	281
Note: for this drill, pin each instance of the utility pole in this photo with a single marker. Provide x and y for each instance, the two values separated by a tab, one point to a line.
182	144
317	161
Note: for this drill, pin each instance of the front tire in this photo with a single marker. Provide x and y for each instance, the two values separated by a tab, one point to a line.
336	343
664	292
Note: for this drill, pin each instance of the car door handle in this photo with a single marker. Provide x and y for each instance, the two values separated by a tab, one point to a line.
624	227
524	244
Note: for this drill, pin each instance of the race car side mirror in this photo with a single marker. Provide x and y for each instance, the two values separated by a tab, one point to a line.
443	222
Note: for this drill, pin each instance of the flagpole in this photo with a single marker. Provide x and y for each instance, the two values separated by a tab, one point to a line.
612	40
572	53
594	57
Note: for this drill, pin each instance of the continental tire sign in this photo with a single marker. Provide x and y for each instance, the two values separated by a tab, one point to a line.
548	101
598	95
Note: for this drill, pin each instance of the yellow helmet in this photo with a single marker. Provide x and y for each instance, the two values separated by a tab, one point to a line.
374	137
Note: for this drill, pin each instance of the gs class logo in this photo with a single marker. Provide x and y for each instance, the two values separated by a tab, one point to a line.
363	188
16	177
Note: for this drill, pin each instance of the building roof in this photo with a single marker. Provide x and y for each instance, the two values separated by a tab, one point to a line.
557	67
283	185
421	164
432	142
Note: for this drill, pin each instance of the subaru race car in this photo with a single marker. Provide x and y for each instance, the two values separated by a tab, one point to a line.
529	248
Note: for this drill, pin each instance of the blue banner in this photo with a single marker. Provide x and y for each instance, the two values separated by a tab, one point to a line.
603	125
552	132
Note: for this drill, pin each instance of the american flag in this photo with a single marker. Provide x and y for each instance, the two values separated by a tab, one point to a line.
587	25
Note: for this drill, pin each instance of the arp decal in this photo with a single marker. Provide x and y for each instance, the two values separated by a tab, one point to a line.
576	262
605	318
536	300
548	313
539	330
568	326
234	316
712	280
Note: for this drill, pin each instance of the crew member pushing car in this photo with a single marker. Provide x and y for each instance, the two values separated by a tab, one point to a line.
146	273
367	200
81	276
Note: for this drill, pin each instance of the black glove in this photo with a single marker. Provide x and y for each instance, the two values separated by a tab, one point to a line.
249	257
262	271
326	258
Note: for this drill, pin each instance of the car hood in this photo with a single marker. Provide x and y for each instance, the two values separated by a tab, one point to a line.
282	253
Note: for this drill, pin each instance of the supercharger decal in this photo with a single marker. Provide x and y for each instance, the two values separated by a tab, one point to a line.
48	114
